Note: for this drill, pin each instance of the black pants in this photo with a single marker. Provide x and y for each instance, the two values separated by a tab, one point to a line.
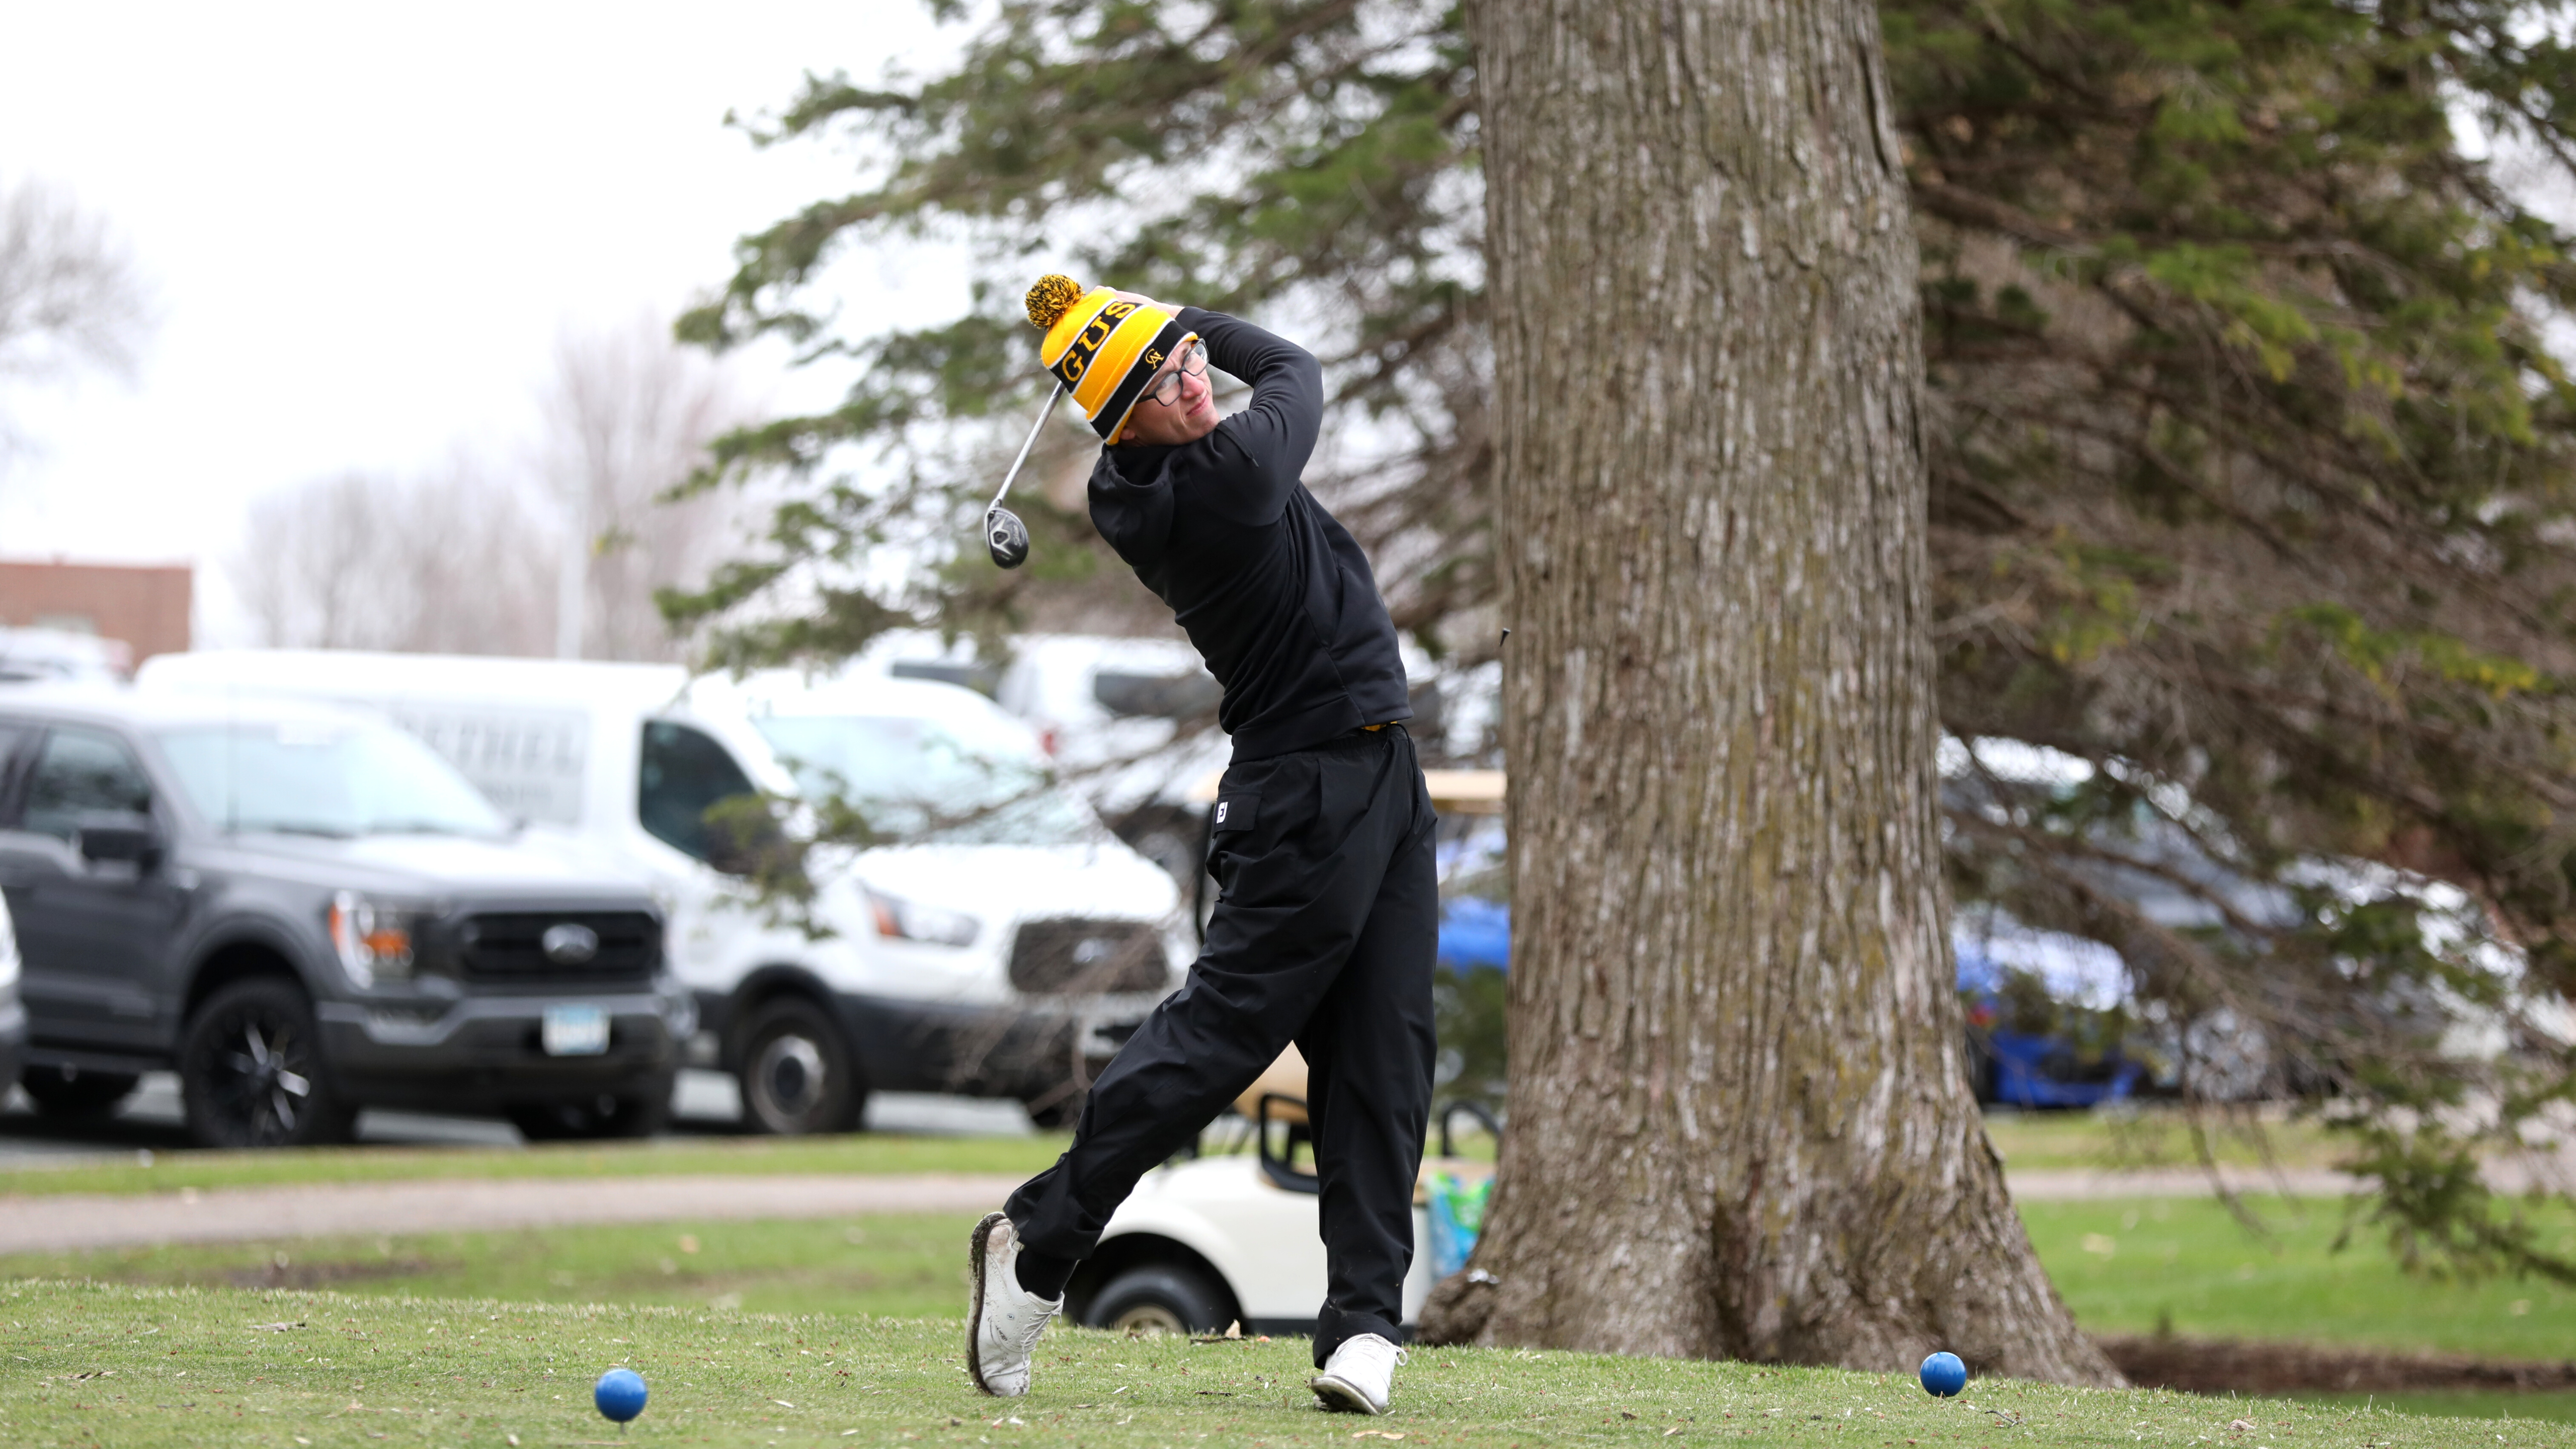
1324	933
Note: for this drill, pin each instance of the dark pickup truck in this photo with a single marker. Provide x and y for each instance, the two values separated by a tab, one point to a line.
305	912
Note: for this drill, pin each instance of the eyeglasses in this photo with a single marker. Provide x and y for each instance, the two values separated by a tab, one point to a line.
1167	388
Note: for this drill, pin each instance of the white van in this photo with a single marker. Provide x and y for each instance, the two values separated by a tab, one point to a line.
997	941
1128	722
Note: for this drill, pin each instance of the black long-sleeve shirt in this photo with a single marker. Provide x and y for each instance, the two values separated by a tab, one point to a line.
1271	588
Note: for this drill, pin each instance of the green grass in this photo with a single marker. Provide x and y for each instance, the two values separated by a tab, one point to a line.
2554	1405
669	1156
2137	1265
903	1267
2151	1137
2154	1136
2171	1262
141	1366
2123	1266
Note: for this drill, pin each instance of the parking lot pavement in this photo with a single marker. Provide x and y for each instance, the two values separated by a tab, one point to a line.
704	1103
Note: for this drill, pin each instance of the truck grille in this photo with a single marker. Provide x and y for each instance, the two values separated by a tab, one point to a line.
510	946
1069	955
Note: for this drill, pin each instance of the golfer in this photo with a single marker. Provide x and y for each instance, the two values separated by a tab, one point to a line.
1328	914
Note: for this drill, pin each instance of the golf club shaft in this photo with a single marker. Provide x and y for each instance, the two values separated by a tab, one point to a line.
1031	442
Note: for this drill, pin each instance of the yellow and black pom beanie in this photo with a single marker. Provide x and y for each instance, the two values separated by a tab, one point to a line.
1102	349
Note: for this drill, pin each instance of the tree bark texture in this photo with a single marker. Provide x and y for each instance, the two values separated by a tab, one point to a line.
1740	1124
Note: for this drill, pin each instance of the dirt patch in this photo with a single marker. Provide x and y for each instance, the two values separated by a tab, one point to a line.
2217	1366
297	1274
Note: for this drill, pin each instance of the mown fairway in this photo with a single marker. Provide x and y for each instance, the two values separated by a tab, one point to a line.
143	1366
2124	1266
2156	1136
2141	1265
903	1267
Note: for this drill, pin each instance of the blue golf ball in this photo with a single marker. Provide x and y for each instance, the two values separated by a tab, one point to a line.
1943	1376
620	1394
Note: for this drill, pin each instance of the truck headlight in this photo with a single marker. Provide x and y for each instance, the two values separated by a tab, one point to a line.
912	921
8	948
372	937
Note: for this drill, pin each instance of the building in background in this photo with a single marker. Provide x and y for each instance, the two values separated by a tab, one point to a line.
146	607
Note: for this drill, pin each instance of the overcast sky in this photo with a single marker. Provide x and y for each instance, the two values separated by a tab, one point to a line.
366	227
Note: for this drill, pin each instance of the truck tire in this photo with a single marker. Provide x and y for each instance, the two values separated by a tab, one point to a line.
251	1072
798	1074
1159	1298
71	1092
595	1118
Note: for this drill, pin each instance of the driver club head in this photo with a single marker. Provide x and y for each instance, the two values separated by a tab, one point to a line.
1006	538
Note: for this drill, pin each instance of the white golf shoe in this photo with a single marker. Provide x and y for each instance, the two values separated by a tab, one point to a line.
1004	1322
1359	1375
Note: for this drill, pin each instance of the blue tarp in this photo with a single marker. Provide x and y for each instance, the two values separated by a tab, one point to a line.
1475	932
2029	1071
2034	1071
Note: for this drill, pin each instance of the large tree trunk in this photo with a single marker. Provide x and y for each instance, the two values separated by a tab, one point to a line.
1740	1125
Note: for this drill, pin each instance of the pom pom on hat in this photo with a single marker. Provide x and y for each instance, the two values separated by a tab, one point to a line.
1101	347
1052	297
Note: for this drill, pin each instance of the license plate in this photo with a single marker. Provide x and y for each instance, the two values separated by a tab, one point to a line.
575	1031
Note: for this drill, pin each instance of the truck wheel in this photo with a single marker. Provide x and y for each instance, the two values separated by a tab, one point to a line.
593	1118
798	1074
1159	1298
251	1072
72	1092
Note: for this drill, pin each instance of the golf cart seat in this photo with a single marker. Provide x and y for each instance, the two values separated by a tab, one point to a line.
1278	1098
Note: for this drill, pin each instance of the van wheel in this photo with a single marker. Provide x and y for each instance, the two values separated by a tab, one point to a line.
1159	1298
72	1092
593	1118
251	1072
798	1074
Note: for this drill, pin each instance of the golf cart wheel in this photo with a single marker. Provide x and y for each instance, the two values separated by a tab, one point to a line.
1159	1298
251	1072
72	1092
592	1118
798	1074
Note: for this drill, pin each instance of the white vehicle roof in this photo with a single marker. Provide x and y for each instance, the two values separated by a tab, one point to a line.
456	676
791	692
117	704
639	691
643	688
45	654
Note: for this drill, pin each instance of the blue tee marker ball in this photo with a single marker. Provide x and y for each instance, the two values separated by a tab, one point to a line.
620	1394
1943	1377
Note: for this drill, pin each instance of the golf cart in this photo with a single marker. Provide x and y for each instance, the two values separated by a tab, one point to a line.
1228	1233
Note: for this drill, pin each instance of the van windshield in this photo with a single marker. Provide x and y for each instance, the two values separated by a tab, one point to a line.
324	779
923	781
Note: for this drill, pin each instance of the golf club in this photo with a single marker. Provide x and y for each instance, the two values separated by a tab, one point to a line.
1005	537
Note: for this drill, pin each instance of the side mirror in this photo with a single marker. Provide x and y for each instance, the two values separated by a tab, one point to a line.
119	837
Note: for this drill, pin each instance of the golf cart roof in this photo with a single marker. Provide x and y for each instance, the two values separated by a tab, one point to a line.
1455	792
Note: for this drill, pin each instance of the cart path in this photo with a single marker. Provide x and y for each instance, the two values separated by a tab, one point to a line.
57	1222
50	1222
2081	1184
